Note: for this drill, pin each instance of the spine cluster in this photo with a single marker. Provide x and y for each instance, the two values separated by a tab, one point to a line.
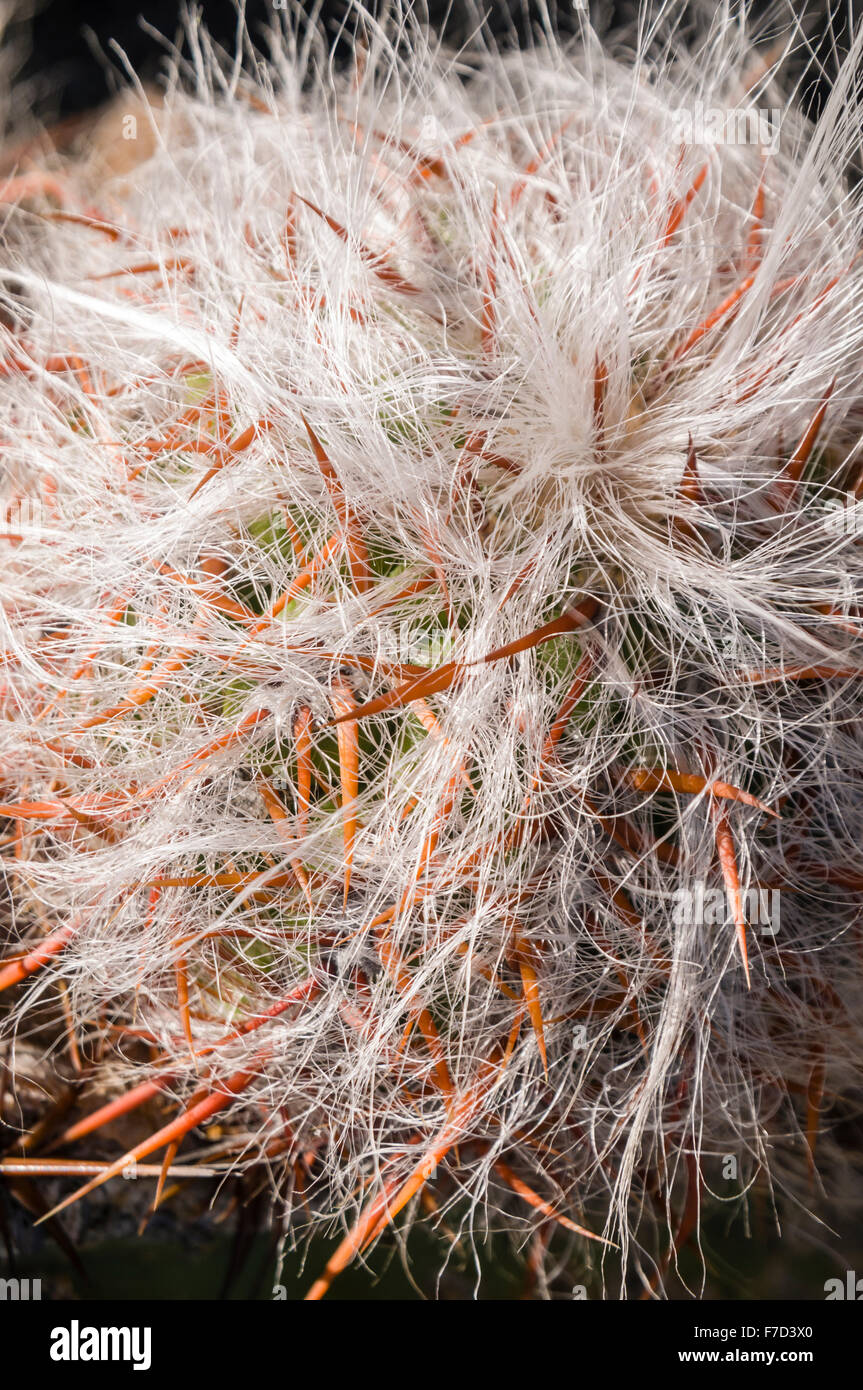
430	576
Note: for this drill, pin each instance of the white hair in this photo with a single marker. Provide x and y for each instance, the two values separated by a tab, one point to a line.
372	372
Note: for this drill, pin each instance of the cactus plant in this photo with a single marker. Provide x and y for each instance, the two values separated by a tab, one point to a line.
430	633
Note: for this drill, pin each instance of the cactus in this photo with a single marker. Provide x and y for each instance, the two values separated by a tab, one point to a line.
431	646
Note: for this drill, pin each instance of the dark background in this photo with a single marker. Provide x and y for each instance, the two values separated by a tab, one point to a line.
72	76
69	74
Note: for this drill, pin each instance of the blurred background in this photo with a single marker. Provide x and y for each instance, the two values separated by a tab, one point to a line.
71	69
